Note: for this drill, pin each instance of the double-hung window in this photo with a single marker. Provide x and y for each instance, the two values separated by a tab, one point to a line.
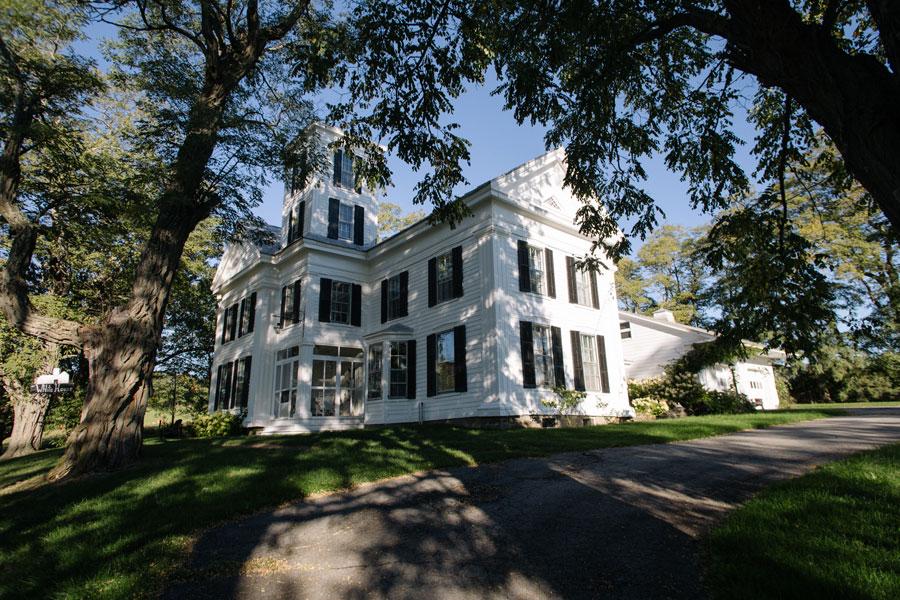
444	266
345	222
543	356
583	287
399	366
536	269
247	315
376	362
290	304
343	170
590	363
340	302
591	369
444	366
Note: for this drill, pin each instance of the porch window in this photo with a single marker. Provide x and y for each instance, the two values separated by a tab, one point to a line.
399	366
376	362
287	366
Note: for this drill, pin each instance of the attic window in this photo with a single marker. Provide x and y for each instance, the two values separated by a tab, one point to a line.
625	330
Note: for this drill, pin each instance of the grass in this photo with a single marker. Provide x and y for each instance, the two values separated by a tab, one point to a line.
845	405
122	534
834	533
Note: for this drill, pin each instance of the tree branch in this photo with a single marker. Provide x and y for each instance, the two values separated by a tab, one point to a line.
886	14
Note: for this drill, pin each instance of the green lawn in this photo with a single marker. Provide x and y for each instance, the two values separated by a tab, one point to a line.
834	533
842	405
120	535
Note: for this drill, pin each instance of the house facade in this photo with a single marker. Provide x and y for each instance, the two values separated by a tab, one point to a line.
331	328
649	344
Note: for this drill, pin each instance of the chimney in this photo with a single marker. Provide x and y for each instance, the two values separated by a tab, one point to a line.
664	315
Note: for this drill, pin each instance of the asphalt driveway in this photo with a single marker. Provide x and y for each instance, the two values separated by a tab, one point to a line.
611	523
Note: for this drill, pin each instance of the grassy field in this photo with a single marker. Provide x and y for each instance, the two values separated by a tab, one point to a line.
843	405
123	534
834	533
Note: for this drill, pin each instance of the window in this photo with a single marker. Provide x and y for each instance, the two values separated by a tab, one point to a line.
625	330
226	326
241	382
296	218
583	287
590	362
399	366
286	367
340	302
290	304
343	169
230	324
376	362
337	381
394	294
444	277
536	269
223	386
543	356
446	353
248	314
345	222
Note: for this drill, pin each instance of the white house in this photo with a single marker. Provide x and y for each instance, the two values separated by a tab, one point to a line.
333	329
651	343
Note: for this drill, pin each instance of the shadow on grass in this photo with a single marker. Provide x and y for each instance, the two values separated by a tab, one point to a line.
123	534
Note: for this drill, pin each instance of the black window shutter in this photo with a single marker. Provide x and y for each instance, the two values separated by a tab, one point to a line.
243	312
384	300
232	333
232	394
283	301
290	227
594	294
570	274
338	159
301	219
356	305
411	369
245	392
524	273
527	344
325	300
359	221
334	209
225	325
459	359
432	282
431	360
295	294
551	276
218	397
577	365
559	369
404	294
456	256
604	369
252	307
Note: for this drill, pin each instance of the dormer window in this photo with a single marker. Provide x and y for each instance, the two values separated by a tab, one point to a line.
343	170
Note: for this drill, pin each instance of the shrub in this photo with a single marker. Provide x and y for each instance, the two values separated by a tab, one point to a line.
727	403
566	401
650	406
657	396
219	424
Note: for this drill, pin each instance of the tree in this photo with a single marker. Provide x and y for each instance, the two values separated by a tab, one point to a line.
618	81
673	276
631	289
222	107
391	219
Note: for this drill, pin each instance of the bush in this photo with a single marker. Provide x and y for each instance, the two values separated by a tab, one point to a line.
657	396
566	402
650	406
219	424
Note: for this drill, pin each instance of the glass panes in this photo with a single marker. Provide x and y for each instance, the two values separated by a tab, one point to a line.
325	350
625	330
398	372
376	360
395	298
343	167
543	357
340	302
350	389
444	277
286	373
590	363
536	269
583	287
324	387
445	379
345	222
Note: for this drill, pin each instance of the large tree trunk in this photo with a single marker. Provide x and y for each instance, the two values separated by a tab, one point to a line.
853	97
29	411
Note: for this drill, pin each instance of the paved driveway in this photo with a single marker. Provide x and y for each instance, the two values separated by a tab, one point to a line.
613	523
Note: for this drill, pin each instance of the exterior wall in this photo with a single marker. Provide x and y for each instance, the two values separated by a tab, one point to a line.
652	346
504	211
